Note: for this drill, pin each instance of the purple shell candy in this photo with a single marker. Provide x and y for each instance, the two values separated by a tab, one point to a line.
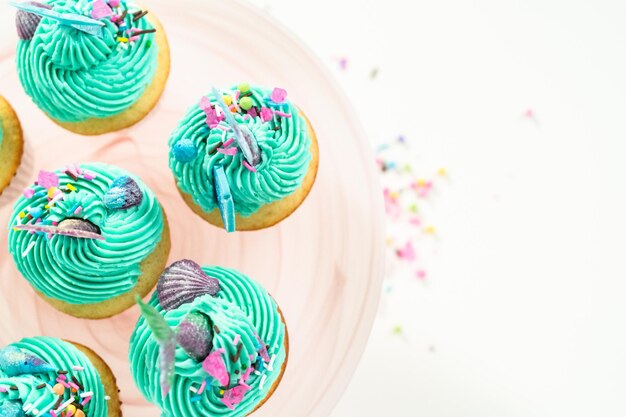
195	336
14	361
183	282
66	230
27	23
124	193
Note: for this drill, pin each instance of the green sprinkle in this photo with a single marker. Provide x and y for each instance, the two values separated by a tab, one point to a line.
246	103
243	87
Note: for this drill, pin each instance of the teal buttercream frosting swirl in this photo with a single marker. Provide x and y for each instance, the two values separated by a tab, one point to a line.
85	271
74	76
284	142
243	316
34	392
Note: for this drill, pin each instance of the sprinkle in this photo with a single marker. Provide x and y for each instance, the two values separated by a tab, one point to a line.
236	340
266	114
193	389
217	330
281	114
86	394
71	187
65	384
195	399
28	249
29	193
73	385
100	10
89	176
238	354
123	40
78	383
85	401
229	151
47	179
65	404
143	32
107	398
228	142
202	386
278	95
213	150
442	172
27	407
248	166
430	230
270	366
263	378
139	15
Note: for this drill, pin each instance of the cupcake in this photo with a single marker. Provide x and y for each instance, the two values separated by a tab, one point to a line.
92	66
211	342
244	158
11	143
44	376
88	238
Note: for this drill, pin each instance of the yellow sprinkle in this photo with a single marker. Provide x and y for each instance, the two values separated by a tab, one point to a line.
421	183
71	187
394	195
47	206
71	409
51	192
221	392
22	215
125	40
442	172
228	100
429	230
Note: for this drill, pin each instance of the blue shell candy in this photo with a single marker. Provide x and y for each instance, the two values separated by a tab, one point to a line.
26	23
224	199
124	193
11	409
182	282
195	336
14	362
185	150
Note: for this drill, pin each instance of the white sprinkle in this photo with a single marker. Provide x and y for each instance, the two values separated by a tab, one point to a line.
270	367
64	405
107	398
27	407
86	394
193	389
30	247
263	378
257	373
78	368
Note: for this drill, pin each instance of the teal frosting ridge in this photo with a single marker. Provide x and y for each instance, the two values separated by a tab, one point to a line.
85	271
74	76
285	145
241	310
64	357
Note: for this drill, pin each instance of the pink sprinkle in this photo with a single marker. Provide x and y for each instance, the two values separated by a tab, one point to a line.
62	377
201	389
133	38
65	384
222	127
529	114
228	142
278	95
205	103
3	389
407	253
73	385
100	10
47	179
343	63
214	365
249	168
69	413
89	176
114	3
78	210
52	413
252	112
415	221
281	114
29	193
421	274
86	400
229	151
55	223
234	396
237	93
236	340
266	114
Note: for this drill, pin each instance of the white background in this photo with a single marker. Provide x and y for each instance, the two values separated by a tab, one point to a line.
523	310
